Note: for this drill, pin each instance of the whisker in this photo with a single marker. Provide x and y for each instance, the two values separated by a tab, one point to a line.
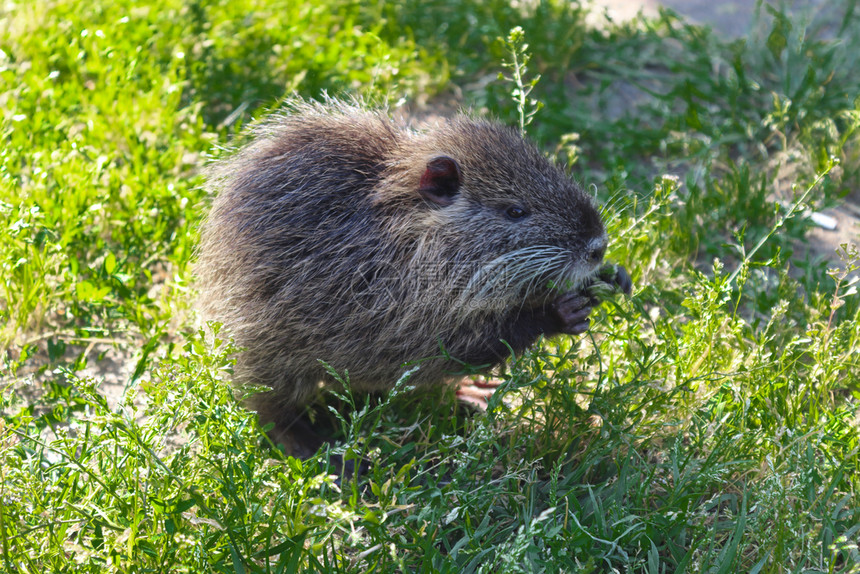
518	275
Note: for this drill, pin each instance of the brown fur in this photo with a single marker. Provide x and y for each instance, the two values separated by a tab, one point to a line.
319	246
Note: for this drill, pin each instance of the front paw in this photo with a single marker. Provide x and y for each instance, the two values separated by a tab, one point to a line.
572	310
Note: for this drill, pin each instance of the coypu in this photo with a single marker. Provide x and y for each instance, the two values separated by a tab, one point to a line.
338	234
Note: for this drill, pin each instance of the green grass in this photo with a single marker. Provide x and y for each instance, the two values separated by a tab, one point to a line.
709	423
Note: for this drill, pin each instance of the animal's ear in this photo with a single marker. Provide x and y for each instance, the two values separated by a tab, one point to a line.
440	183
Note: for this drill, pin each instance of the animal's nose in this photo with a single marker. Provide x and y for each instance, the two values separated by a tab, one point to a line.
596	250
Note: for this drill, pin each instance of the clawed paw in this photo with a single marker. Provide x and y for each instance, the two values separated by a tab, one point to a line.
573	310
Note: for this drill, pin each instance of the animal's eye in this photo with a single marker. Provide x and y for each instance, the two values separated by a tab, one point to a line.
516	212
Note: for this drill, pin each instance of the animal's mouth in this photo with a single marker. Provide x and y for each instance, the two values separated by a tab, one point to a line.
577	267
593	273
575	277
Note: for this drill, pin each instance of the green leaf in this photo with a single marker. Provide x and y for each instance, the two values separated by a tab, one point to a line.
110	263
777	40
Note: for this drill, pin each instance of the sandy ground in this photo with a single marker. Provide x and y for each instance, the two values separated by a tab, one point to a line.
731	18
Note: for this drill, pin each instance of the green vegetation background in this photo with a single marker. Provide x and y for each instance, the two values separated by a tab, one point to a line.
707	424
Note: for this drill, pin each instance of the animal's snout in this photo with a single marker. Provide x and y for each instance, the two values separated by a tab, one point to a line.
596	249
